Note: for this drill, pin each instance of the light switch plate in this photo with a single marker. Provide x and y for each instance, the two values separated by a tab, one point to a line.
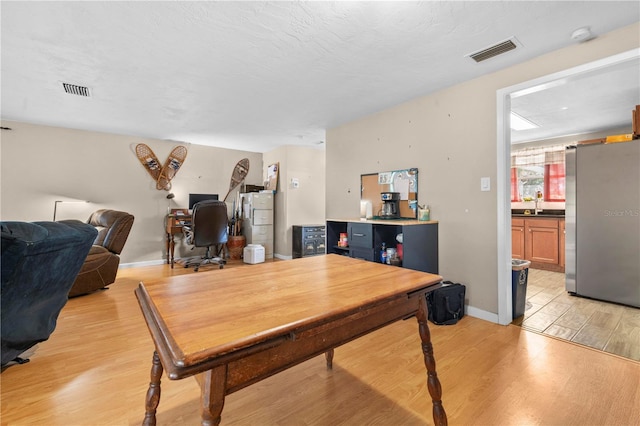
485	184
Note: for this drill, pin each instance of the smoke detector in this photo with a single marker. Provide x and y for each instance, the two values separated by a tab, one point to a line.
582	34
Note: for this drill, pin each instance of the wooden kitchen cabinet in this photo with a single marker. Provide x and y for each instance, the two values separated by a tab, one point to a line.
517	238
539	240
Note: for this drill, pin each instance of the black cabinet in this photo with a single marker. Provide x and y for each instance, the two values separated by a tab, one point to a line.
365	238
334	230
360	240
308	240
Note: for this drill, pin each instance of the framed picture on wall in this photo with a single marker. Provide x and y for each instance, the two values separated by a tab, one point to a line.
272	177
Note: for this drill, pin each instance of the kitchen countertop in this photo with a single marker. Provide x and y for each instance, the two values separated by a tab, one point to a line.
550	213
403	222
539	216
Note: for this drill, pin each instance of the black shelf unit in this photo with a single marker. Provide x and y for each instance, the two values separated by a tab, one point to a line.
308	240
365	238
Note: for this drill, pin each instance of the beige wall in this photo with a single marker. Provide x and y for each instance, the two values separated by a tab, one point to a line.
297	206
41	164
450	136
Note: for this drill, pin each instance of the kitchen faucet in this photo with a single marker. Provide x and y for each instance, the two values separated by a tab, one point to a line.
537	200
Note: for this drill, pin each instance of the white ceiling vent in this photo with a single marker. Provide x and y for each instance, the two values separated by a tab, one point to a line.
74	89
495	50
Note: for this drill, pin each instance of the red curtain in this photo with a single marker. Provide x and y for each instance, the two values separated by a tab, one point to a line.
514	185
553	182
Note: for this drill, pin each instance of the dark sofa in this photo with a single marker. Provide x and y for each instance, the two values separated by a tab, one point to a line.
40	262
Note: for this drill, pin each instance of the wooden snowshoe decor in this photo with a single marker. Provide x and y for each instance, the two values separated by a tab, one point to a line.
240	172
162	175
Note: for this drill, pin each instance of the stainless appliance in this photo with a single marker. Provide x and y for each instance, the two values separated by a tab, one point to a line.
603	221
390	205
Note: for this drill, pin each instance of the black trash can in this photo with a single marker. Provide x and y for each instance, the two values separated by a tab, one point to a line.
519	274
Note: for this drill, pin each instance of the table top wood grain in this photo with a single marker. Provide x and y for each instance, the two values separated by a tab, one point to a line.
198	317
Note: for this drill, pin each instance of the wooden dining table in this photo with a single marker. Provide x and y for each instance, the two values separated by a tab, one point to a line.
231	328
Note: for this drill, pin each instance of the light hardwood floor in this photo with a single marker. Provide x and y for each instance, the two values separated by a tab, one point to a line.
601	325
94	370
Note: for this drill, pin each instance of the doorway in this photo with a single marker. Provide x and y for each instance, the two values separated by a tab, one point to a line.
504	97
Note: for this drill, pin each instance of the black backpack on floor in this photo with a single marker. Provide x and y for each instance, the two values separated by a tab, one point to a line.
446	304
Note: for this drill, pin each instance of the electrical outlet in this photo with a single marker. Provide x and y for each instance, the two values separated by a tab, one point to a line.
295	184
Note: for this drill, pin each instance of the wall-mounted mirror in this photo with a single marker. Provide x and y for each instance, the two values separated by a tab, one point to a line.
403	182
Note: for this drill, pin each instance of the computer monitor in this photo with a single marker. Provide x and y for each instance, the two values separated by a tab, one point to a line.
195	198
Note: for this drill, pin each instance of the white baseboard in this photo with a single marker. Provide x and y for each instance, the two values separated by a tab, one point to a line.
139	264
484	315
281	256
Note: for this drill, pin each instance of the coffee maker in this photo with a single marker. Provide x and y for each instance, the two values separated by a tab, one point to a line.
390	205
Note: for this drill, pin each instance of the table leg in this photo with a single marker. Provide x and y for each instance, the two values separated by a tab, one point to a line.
213	388
329	356
435	390
153	393
171	245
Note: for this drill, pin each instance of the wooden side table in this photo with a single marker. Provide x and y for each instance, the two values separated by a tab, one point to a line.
173	225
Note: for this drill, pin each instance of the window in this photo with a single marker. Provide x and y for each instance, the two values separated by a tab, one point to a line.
536	170
530	181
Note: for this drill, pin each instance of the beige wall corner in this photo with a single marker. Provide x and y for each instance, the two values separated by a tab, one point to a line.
301	205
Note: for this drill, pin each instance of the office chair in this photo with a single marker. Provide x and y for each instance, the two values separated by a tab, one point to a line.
208	229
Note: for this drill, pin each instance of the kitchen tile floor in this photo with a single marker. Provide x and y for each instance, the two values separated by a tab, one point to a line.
601	325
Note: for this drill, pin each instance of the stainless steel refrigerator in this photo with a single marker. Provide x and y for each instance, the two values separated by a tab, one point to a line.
603	221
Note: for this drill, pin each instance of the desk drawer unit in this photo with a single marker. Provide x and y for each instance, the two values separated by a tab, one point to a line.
308	240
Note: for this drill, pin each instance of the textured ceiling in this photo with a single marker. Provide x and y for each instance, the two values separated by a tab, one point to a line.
256	75
594	101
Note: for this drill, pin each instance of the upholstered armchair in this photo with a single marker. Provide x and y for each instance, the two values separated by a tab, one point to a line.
40	262
101	266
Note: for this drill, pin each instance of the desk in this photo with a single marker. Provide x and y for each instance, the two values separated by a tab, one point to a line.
238	326
174	227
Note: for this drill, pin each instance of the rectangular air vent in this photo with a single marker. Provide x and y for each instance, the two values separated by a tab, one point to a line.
494	50
74	89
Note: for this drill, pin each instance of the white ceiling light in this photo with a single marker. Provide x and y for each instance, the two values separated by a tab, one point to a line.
520	123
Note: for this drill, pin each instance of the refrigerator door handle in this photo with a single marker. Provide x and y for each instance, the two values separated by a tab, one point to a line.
570	219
